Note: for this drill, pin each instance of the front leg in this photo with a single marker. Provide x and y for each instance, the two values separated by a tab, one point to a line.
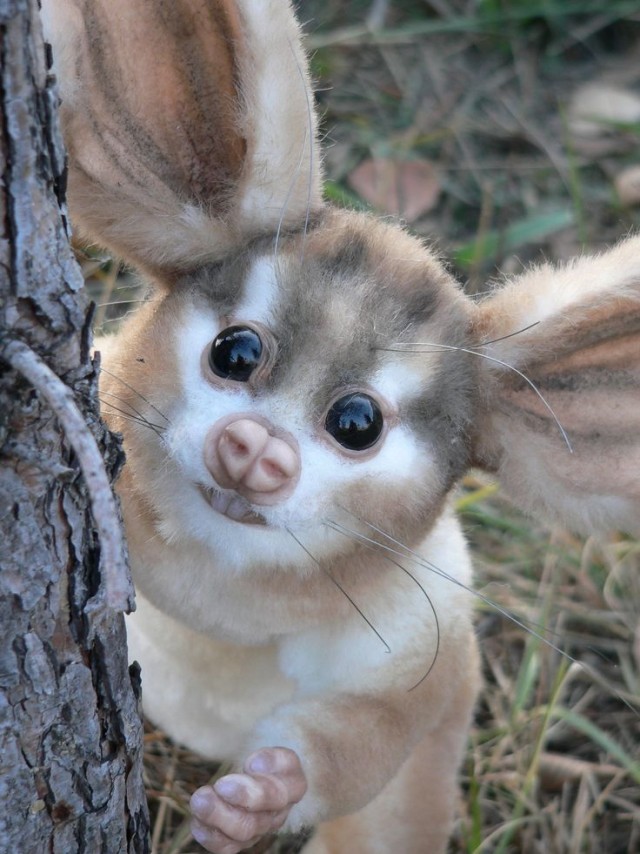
239	809
329	755
360	712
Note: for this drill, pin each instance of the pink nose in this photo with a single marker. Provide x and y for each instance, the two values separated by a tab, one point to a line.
248	455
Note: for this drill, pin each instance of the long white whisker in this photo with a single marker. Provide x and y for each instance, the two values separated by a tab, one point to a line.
310	140
341	589
414	557
510	335
119	302
404	348
114	319
287	198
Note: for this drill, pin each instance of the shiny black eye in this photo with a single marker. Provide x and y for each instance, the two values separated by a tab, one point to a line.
235	353
355	421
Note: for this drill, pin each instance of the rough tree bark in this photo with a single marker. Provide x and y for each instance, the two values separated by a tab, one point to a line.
70	730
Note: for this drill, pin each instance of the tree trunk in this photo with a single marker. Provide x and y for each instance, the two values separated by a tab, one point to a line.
70	729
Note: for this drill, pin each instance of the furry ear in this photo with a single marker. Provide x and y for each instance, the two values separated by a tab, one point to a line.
189	124
583	356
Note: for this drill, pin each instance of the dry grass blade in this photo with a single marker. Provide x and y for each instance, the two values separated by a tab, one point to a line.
553	749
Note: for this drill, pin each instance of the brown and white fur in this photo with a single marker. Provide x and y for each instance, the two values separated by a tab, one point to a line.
193	154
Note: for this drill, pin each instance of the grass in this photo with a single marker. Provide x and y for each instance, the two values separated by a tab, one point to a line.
553	761
481	89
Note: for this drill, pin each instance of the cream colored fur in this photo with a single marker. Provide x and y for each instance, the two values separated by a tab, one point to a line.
233	690
283	179
587	334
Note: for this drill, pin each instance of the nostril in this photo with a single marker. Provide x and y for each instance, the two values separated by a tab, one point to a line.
278	464
265	477
281	459
273	470
246	437
239	446
239	449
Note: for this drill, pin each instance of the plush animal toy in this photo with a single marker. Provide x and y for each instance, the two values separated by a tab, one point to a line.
298	397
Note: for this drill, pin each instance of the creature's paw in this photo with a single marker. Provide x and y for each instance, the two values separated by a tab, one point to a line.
238	809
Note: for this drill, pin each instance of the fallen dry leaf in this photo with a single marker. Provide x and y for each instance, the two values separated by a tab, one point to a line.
406	188
627	184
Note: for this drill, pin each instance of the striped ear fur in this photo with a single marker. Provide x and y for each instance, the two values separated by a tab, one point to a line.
583	356
189	124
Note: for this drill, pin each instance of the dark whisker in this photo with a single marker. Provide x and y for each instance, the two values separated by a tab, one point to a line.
435	618
142	421
414	557
495	606
130	405
345	533
404	348
342	590
134	418
135	391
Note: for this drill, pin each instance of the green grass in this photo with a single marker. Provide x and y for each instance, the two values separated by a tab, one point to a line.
492	16
554	754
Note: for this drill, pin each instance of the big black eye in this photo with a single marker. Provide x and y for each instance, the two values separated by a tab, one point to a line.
235	353
355	421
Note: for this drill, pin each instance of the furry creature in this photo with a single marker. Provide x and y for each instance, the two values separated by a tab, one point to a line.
298	397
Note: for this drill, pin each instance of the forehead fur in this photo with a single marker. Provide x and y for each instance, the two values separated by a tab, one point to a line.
352	281
337	300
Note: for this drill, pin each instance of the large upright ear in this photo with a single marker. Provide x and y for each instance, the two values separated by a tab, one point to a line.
189	124
583	357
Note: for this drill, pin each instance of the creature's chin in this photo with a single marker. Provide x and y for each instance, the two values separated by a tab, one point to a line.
232	506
